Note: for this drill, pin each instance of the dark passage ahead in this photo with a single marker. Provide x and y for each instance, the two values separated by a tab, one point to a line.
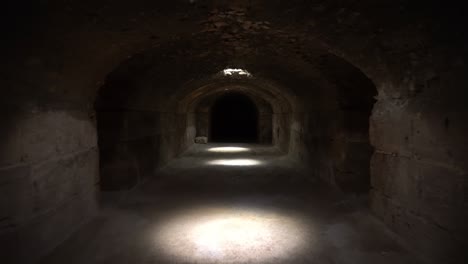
234	118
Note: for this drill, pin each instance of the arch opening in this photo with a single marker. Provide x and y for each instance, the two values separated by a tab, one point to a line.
234	119
351	149
274	105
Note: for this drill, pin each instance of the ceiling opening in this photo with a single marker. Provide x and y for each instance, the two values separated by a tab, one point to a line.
234	72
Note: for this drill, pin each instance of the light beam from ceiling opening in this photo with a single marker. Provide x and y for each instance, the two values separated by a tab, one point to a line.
228	149
235	162
231	235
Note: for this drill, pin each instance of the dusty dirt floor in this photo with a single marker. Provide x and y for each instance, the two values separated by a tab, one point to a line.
224	203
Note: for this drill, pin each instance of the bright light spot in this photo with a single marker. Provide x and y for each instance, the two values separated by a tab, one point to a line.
235	231
231	236
232	72
235	162
228	149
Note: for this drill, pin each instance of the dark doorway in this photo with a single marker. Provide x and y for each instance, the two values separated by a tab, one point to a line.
234	118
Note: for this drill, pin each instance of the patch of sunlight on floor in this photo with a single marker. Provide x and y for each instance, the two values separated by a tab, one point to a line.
228	149
226	235
234	162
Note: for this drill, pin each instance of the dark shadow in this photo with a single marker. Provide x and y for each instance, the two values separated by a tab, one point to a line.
356	99
234	118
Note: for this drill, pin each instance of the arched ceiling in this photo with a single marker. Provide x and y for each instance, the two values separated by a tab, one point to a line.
60	52
186	69
265	96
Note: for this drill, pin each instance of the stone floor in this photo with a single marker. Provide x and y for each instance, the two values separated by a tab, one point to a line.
247	204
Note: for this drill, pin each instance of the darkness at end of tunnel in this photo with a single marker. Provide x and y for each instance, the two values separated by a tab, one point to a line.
234	119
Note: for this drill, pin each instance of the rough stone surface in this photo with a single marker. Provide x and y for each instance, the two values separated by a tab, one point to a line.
201	140
50	191
318	65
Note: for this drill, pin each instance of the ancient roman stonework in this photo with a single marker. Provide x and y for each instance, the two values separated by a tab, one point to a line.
370	97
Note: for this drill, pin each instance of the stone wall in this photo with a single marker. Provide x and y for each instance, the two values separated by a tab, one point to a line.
134	144
48	181
418	175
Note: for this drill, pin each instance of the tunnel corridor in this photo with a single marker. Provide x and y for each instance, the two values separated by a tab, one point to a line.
231	203
240	131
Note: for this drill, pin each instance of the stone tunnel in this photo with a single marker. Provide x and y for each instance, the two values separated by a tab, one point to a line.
245	131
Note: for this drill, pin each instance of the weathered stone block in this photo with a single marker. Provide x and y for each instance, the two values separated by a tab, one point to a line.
203	124
433	192
87	171
44	233
395	177
438	244
440	136
16	188
201	140
56	181
390	127
443	198
66	132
